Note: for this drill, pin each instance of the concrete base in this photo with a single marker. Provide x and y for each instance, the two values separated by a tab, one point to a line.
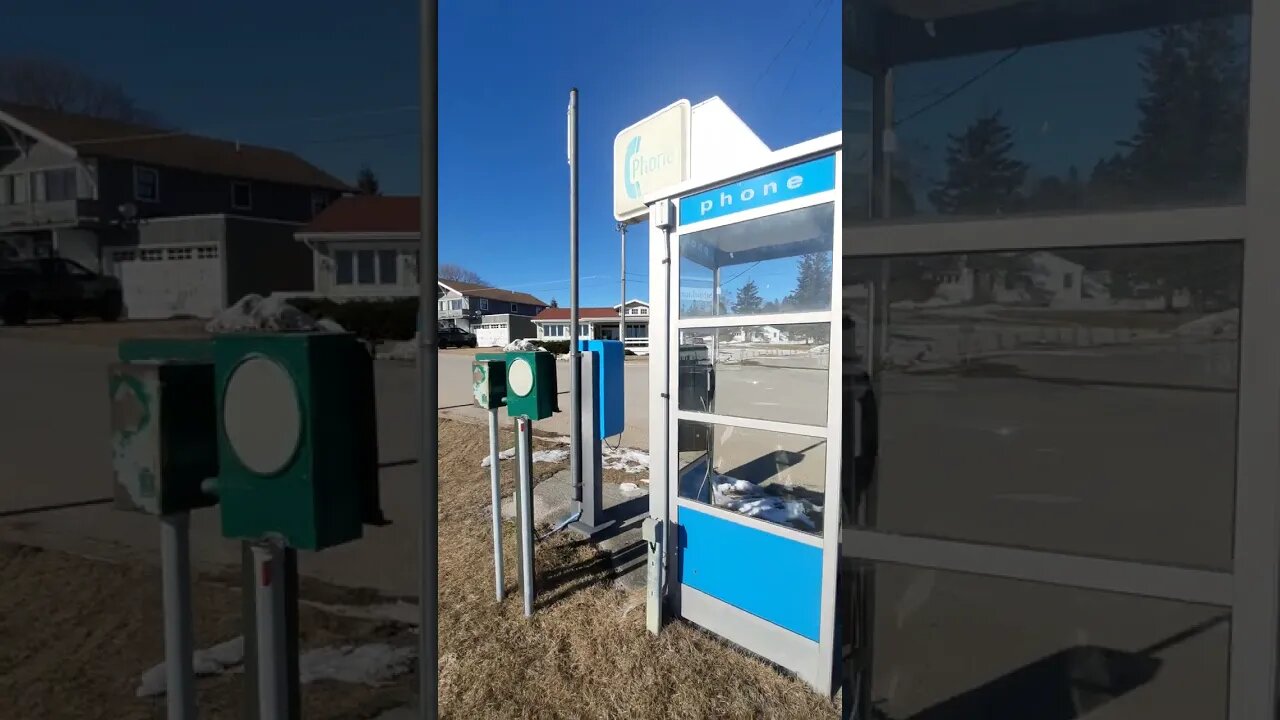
619	534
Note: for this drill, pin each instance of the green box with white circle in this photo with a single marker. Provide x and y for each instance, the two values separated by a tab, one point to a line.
531	385
297	437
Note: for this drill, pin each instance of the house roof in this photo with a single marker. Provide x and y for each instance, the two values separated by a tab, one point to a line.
96	137
584	313
633	301
368	215
491	293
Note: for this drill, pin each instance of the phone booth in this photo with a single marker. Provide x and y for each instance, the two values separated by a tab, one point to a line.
746	409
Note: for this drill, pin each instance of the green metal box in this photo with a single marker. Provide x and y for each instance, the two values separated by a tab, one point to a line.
163	435
297	437
531	385
489	383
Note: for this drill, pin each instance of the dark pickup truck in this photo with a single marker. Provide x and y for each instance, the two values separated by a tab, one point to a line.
56	287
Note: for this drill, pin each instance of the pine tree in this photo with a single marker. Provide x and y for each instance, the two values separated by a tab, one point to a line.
983	177
554	303
367	182
748	300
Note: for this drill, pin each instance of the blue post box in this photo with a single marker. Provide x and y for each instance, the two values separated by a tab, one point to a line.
608	383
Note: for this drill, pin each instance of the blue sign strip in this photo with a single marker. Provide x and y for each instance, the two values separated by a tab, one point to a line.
789	183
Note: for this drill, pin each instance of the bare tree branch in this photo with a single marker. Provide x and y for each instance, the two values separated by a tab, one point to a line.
56	85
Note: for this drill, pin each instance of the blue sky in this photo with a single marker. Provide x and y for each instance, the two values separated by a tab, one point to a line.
337	82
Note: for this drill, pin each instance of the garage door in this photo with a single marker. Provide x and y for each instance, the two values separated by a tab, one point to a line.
164	282
492	335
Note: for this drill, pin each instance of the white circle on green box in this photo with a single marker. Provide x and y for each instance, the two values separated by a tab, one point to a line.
520	377
260	415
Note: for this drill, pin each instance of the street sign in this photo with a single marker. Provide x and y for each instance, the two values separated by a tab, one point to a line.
648	156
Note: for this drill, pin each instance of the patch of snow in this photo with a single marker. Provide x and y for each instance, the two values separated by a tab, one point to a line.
550	456
1222	323
405	350
504	455
750	499
522	345
629	487
329	325
372	664
211	661
820	349
628	460
256	313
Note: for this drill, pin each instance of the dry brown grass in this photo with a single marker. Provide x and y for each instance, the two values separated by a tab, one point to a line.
585	653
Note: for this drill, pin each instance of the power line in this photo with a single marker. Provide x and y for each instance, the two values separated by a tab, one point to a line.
816	29
959	88
783	49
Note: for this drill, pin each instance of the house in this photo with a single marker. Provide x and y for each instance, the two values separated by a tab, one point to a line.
189	224
1042	278
597	323
366	247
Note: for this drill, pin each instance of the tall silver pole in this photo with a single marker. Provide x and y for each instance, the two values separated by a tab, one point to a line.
428	272
622	309
495	491
575	360
273	690
524	450
175	558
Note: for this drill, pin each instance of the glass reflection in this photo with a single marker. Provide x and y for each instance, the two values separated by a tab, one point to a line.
1080	401
771	476
952	646
1137	105
765	372
774	264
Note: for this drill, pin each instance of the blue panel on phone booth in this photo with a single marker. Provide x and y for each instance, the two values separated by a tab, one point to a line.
609	384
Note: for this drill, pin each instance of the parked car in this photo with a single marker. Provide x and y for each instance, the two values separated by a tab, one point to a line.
56	287
455	337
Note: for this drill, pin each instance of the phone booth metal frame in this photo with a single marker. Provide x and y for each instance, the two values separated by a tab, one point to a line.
788	620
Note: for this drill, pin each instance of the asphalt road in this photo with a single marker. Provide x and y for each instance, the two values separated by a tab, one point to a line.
55	467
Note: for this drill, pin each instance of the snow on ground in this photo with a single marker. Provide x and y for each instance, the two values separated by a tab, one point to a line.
628	460
273	313
216	660
750	499
371	664
367	664
1222	323
404	350
523	345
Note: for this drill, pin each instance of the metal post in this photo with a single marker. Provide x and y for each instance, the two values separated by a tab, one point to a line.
591	522
293	671
575	360
175	556
428	277
273	690
622	309
248	619
495	491
524	451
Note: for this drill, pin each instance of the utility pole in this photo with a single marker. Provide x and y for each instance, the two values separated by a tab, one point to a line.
428	272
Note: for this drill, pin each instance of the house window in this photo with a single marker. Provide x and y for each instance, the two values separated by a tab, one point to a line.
179	253
1067	281
319	201
515	307
13	189
343	262
60	185
152	255
6	189
207	252
366	272
241	195
146	184
365	267
484	303
388	267
121	256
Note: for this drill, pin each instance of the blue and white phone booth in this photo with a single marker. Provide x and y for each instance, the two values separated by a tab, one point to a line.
745	415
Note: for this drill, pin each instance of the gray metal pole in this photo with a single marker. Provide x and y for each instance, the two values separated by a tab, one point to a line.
248	583
495	491
622	309
175	558
524	451
428	272
575	360
273	690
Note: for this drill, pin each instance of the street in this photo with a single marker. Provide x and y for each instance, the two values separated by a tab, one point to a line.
57	465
